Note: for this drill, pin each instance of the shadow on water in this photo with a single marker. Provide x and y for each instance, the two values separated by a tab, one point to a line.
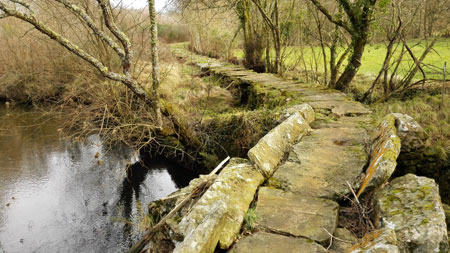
56	197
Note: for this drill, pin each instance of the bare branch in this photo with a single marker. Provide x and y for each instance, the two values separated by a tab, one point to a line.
332	19
125	78
346	5
91	24
121	36
264	14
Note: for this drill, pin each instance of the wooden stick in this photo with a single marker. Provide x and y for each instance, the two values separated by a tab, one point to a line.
207	181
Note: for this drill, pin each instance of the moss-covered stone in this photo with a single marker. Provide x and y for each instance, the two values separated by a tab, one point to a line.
232	191
411	206
271	149
296	214
323	161
384	150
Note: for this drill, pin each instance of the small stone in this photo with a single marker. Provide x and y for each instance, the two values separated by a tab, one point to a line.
409	131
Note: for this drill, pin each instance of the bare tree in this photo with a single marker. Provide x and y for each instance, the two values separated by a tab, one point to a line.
273	22
113	37
358	17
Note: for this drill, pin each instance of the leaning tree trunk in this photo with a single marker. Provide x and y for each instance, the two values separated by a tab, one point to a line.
354	63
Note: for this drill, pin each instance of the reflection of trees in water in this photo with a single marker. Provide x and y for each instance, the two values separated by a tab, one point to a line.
136	175
26	141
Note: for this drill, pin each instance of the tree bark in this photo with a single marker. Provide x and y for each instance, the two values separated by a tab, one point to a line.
155	68
354	63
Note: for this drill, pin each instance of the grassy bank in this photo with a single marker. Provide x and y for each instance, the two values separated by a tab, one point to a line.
372	59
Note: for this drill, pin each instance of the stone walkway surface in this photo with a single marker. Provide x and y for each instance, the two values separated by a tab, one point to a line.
300	201
297	209
308	163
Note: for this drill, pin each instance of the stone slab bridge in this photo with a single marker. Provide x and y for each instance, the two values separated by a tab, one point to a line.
296	175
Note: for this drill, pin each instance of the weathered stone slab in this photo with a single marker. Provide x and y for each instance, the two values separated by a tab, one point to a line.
234	188
204	238
270	150
338	96
341	108
261	242
385	148
322	163
343	241
343	122
379	241
296	214
411	206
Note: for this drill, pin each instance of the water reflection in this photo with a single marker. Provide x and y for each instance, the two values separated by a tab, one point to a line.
55	197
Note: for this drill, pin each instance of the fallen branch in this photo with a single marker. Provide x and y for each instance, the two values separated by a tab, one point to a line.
203	186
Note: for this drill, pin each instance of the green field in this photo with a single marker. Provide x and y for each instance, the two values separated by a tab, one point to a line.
373	58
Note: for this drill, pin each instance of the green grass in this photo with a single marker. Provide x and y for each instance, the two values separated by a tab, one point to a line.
373	58
250	219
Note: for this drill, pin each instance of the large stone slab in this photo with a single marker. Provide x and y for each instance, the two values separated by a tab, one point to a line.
234	189
411	206
341	107
270	150
296	215
261	242
385	148
322	163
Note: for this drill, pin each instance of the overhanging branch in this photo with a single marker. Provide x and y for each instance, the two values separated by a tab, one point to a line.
79	12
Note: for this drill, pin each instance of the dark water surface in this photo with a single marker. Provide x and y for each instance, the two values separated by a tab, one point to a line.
55	195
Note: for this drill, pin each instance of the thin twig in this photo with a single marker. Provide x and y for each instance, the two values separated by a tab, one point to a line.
353	192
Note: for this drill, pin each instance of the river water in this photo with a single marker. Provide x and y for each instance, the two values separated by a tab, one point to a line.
65	196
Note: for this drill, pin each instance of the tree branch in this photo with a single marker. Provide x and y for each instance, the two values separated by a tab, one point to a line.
346	5
121	36
332	19
264	14
91	24
63	41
